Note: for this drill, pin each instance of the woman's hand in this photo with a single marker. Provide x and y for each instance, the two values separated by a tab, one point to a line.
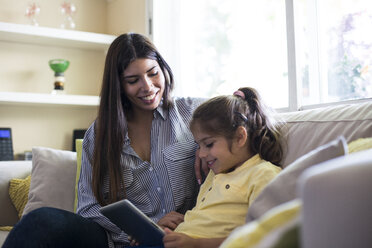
171	220
201	168
177	240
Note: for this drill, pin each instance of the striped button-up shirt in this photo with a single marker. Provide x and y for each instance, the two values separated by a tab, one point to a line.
166	183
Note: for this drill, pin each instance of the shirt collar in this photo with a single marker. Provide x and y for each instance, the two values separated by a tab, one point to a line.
160	111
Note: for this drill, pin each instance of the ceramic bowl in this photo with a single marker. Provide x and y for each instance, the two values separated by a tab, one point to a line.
59	65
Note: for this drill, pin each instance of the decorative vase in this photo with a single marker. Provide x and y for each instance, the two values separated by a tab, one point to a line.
31	12
68	11
59	66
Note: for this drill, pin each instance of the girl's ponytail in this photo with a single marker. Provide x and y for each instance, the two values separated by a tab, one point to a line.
262	132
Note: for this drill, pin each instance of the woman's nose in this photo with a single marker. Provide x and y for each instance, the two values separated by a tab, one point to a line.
147	83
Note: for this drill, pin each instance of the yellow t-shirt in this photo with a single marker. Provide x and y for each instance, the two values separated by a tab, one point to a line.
223	200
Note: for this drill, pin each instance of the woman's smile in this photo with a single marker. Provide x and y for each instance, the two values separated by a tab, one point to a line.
150	98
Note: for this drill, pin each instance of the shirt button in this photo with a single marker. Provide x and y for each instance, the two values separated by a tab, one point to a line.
227	186
203	199
151	169
158	188
210	189
163	210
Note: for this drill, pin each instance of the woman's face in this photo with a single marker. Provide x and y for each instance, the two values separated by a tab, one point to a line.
143	84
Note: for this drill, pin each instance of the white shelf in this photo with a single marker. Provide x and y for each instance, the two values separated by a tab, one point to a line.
11	32
26	99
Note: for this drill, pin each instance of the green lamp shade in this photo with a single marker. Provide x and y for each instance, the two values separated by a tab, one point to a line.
59	65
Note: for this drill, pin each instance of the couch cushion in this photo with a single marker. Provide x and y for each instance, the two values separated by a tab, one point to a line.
339	191
283	188
360	145
8	171
52	179
79	149
308	129
279	227
3	235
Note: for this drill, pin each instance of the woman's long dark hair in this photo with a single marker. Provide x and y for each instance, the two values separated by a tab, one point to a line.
222	115
114	108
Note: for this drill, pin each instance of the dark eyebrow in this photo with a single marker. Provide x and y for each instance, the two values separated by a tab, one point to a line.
203	139
131	76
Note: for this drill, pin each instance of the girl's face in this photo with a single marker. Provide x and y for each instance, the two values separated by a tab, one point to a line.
143	83
216	152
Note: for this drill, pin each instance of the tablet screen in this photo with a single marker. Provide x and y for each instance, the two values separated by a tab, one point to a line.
133	222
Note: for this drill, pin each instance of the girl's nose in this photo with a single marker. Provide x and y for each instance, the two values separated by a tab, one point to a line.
202	153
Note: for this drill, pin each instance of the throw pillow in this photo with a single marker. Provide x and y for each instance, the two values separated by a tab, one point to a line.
279	227
52	179
283	188
360	145
79	147
6	228
18	192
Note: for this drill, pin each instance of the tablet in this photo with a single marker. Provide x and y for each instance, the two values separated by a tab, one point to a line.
134	223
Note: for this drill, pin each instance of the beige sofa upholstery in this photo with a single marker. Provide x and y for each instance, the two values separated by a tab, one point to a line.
306	130
8	171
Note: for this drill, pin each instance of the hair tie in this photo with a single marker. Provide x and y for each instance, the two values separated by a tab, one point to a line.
239	93
243	117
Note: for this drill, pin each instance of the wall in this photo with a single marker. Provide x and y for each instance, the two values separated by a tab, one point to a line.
90	14
126	16
24	68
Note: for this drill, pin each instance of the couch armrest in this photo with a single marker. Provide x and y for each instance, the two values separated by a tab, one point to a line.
337	202
8	171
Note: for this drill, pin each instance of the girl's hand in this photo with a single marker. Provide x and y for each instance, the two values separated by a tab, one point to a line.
171	220
201	168
132	241
178	240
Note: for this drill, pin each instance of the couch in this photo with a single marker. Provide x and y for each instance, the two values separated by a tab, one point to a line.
345	221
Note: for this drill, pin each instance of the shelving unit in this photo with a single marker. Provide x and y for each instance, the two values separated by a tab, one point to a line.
12	32
38	118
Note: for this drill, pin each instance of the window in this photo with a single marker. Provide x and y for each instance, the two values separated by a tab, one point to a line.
295	52
334	50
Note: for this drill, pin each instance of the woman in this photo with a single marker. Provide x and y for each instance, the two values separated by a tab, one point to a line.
139	148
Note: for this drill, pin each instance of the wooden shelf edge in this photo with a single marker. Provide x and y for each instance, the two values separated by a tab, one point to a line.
21	98
55	37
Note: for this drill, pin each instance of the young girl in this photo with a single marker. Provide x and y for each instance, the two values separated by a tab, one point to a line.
241	147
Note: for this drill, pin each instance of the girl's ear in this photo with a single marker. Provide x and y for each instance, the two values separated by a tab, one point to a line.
241	136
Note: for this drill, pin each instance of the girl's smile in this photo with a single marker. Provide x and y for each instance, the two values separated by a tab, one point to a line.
210	163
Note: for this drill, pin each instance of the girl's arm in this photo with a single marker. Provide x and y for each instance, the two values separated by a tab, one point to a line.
179	240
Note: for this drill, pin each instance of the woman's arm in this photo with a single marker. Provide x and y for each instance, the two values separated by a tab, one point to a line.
201	168
88	206
179	240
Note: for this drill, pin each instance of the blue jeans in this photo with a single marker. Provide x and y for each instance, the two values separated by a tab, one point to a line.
51	227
